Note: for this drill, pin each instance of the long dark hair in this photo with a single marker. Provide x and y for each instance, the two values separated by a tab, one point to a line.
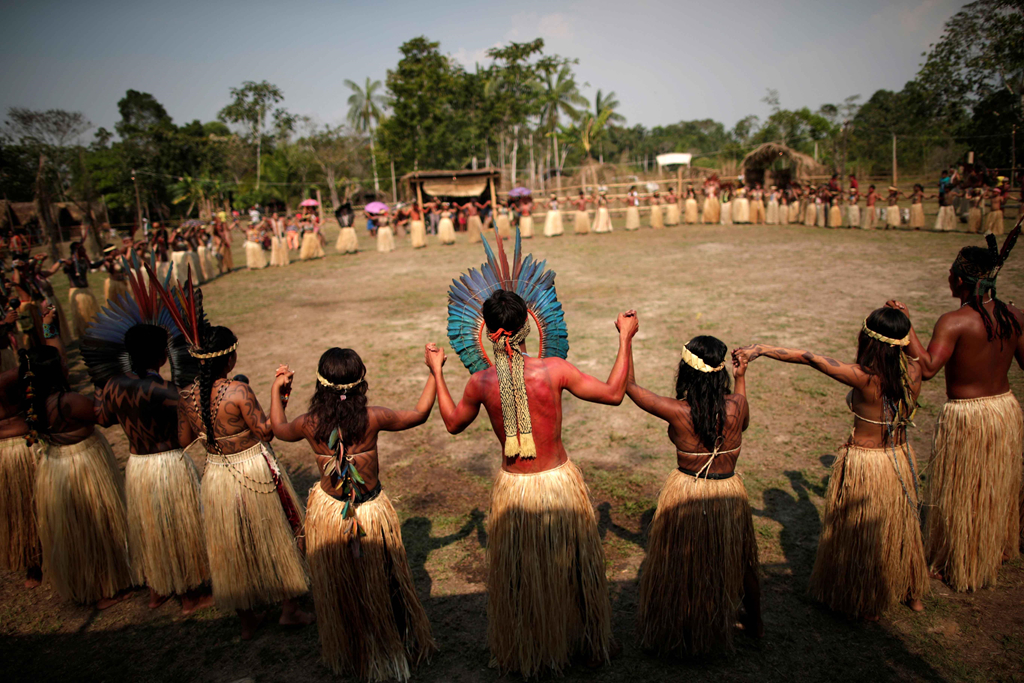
40	375
335	409
214	339
705	391
986	260
886	362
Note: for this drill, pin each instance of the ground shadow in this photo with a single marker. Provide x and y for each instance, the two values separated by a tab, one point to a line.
416	534
605	524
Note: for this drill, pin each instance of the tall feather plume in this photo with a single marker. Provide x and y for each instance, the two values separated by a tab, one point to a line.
503	273
1010	241
175	308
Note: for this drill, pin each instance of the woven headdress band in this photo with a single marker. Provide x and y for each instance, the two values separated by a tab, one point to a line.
882	338
698	364
338	387
515	410
200	355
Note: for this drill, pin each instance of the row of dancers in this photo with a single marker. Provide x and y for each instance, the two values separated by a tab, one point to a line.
242	539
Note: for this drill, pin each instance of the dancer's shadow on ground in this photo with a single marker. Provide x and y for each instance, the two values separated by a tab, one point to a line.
605	524
419	543
799	518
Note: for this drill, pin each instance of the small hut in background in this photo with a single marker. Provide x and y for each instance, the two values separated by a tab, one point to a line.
481	184
776	164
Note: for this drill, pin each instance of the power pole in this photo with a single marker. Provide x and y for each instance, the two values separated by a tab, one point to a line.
894	175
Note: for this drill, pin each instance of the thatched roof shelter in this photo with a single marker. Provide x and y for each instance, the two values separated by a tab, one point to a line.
776	163
463	183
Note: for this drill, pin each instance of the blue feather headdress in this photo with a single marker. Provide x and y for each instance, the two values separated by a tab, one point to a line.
530	279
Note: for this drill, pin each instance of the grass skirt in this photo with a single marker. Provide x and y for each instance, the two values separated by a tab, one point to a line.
81	514
602	220
526	226
254	257
701	545
348	242
672	214
757	211
853	216
207	262
504	226
311	248
227	259
916	216
870	554
993	222
690	213
581	223
254	556
84	309
474	227
772	217
657	217
279	252
547	599
632	218
446	231
19	539
974	512
945	221
166	543
741	210
370	619
418	234
892	217
810	215
869	217
114	289
835	217
553	223
712	210
974	220
793	217
385	239
725	213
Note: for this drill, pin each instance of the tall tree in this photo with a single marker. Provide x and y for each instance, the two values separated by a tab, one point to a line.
250	107
559	96
365	111
336	150
513	81
607	104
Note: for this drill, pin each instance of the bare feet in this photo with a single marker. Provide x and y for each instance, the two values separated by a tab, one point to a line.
191	603
935	574
155	599
34	577
915	605
251	622
110	602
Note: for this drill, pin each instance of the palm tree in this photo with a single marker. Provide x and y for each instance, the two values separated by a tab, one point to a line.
365	111
607	103
558	95
587	130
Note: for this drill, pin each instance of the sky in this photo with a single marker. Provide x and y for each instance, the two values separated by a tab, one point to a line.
667	60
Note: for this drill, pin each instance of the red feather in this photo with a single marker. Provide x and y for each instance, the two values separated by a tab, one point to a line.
506	277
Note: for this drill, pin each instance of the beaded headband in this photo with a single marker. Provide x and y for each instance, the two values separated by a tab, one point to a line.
213	354
885	340
339	387
698	363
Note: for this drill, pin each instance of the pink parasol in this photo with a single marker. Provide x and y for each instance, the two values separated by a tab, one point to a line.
309	202
376	207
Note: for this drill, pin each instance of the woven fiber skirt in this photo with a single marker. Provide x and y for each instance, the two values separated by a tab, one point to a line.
370	619
166	543
81	515
870	553
347	242
602	221
279	252
700	547
254	556
974	490
632	218
553	223
547	597
474	227
712	211
526	226
19	539
84	309
311	248
581	223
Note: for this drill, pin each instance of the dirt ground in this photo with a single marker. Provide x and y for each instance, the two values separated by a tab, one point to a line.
796	286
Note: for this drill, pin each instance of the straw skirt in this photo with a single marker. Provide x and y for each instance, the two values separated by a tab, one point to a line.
740	210
701	544
757	212
725	214
712	210
672	214
19	539
279	252
581	223
113	290
446	231
166	544
793	217
553	223
869	218
835	217
892	217
810	214
179	266
80	510
347	242
526	226
870	553
474	227
974	220
311	248
370	619
418	234
657	216
994	222
690	214
547	598
84	309
632	218
772	215
254	556
974	512
916	216
945	221
602	220
385	239
254	257
853	216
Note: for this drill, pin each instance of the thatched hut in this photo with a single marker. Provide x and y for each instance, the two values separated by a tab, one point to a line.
481	184
776	164
69	217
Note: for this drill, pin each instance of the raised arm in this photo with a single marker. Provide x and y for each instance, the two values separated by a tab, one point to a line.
582	385
659	406
244	409
279	390
940	347
849	374
389	420
456	417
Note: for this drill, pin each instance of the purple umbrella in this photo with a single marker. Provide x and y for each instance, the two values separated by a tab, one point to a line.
519	192
376	207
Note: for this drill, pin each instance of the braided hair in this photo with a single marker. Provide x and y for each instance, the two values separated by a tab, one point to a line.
214	339
705	391
332	408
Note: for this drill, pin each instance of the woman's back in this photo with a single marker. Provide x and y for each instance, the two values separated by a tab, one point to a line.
230	403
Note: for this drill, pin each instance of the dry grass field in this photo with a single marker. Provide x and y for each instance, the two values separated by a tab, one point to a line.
796	286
